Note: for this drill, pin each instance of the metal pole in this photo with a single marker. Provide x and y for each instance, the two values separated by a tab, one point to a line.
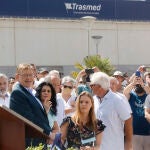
97	39
90	20
14	36
97	48
88	41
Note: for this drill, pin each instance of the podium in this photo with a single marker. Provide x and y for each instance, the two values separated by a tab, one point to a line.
14	128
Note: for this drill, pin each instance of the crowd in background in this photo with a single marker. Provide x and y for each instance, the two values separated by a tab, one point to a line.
93	111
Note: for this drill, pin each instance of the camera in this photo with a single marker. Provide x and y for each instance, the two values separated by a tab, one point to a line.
89	71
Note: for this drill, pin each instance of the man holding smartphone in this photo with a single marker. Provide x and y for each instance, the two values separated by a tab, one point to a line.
136	92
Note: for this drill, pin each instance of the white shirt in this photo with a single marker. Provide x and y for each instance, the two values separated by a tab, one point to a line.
113	112
33	92
67	103
126	102
147	102
60	111
5	101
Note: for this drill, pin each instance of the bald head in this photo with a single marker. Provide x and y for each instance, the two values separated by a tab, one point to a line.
113	84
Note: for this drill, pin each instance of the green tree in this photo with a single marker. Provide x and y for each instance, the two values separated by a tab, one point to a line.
94	60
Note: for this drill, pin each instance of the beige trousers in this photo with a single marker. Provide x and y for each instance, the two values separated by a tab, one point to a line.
141	142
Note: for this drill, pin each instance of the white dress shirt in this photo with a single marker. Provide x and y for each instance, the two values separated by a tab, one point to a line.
5	100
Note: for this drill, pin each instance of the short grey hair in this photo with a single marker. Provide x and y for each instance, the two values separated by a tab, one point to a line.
68	79
3	76
54	73
101	79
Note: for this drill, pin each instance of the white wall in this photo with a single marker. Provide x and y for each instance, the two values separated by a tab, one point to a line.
65	42
125	43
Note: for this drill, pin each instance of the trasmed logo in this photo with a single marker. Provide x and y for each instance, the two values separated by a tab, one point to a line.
68	6
82	9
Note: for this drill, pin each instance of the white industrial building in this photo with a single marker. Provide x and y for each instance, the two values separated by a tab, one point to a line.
59	44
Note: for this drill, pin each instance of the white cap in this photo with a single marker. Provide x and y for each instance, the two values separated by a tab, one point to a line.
118	73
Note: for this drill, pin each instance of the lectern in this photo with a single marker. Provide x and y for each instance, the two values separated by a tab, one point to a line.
14	129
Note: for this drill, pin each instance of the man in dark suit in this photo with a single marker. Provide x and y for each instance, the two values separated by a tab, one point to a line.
24	102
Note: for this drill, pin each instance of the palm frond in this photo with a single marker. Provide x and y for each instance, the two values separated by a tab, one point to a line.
94	60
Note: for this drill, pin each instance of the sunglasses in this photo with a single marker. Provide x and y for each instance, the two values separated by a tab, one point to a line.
93	85
66	86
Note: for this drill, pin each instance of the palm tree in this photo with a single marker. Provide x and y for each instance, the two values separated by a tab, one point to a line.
95	60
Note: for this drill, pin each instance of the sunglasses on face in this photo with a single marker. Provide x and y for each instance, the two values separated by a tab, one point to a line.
93	85
66	86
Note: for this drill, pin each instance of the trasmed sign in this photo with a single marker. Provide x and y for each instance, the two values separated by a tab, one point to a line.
136	10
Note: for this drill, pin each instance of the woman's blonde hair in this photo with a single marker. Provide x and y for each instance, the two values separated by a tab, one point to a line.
77	116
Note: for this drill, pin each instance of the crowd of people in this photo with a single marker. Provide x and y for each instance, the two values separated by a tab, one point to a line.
95	111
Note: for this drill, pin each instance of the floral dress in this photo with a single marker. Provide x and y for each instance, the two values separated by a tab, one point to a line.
77	137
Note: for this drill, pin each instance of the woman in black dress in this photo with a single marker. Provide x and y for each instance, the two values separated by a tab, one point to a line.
82	131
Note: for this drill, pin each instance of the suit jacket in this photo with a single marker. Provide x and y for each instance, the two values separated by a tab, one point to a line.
24	103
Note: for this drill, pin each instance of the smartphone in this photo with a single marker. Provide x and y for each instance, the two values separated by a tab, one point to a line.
89	71
137	73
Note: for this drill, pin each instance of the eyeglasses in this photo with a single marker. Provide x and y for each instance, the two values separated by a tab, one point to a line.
66	86
116	76
27	75
91	85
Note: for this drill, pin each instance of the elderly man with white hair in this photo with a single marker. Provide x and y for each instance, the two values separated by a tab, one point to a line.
114	114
